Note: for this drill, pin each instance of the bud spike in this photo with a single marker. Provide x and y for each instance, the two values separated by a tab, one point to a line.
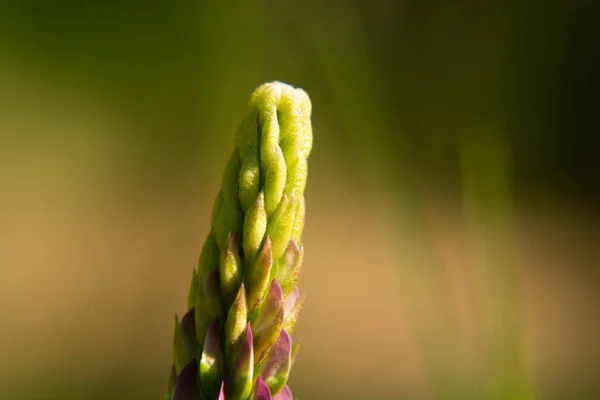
234	341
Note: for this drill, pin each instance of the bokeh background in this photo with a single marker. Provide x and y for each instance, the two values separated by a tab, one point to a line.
452	230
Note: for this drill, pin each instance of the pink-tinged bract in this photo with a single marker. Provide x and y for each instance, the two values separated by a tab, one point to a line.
278	363
261	391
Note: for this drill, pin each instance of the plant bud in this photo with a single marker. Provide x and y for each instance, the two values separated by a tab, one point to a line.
278	363
249	180
235	325
289	266
280	225
212	362
234	342
209	256
292	307
230	219
275	176
208	304
296	175
269	321
230	273
186	387
299	220
255	226
184	340
240	382
193	289
258	276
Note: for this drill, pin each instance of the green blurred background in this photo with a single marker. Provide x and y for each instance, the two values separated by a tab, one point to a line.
452	229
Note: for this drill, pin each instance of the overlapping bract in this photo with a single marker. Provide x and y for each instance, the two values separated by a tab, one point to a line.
234	342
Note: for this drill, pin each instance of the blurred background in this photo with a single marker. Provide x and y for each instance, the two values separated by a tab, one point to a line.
453	200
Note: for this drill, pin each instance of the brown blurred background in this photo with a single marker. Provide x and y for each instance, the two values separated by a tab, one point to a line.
452	229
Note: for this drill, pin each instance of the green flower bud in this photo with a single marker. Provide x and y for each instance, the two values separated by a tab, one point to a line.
230	219
235	325
296	175
230	272
290	122
230	177
171	384
289	266
184	341
249	181
292	306
255	226
209	256
180	353
258	276
299	220
208	304
280	225
193	289
239	385
269	322
295	347
212	363
216	211
275	176
276	368
246	138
